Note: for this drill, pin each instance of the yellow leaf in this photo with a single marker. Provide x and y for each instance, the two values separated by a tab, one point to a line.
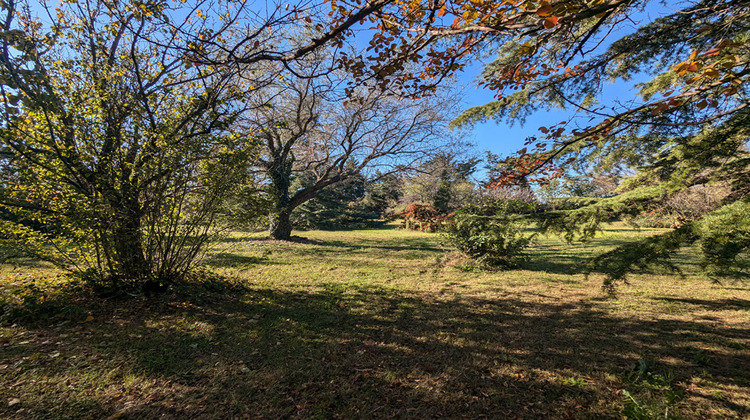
712	73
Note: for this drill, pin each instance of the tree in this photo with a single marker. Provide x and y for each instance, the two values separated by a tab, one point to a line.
687	126
338	206
443	180
441	37
310	128
120	151
383	193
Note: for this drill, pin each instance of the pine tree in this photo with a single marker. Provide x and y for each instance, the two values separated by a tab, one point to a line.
688	125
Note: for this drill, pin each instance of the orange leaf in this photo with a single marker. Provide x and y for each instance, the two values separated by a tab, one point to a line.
550	22
442	11
712	52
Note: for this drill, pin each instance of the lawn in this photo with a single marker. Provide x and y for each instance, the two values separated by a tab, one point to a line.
379	324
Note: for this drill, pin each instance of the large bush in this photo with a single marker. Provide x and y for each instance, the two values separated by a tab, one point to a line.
421	217
116	157
496	241
725	241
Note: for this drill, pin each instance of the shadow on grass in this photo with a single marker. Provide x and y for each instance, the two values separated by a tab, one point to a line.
717	304
331	246
576	258
229	259
558	265
416	245
363	352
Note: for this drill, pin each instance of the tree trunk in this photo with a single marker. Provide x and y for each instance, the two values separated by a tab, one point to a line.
127	237
280	226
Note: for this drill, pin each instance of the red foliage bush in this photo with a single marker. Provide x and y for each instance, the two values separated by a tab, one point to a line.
421	217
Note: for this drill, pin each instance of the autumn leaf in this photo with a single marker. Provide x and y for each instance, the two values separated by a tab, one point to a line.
681	68
545	10
712	52
550	22
712	73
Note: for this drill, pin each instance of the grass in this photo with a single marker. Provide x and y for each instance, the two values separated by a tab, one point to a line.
380	324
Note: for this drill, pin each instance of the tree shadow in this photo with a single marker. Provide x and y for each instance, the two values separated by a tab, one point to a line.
716	304
364	352
333	246
568	265
228	259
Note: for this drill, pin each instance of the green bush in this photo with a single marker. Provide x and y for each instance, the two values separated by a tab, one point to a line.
493	241
725	241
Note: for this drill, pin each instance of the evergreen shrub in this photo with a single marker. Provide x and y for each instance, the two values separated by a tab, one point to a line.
496	241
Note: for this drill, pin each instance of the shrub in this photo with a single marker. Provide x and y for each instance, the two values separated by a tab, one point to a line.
493	241
422	217
725	241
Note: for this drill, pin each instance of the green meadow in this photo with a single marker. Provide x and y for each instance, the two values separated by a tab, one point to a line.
379	323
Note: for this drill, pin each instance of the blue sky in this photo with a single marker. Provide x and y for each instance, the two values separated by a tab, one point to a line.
504	139
501	138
